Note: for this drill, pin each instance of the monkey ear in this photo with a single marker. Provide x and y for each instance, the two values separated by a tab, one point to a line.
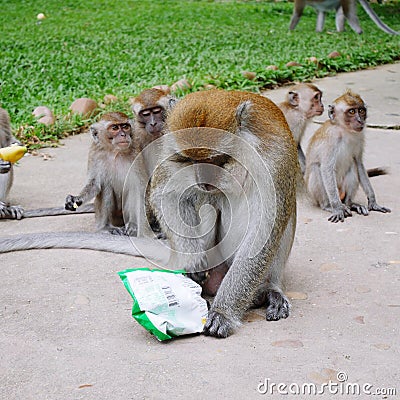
331	112
94	134
172	101
293	99
136	107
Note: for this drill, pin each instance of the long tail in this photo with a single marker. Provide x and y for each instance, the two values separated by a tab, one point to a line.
380	24
154	250
377	171
47	212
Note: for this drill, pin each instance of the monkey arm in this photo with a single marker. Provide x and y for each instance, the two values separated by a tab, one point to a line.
367	188
339	210
90	190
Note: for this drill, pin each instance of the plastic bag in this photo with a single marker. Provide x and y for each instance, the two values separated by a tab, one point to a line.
165	302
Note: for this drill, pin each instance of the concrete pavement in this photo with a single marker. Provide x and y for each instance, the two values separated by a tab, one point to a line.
66	328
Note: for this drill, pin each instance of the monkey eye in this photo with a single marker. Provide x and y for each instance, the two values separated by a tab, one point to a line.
125	127
352	111
362	111
157	110
317	96
114	127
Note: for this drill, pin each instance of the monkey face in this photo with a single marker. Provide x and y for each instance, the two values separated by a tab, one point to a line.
355	118
315	107
120	134
152	120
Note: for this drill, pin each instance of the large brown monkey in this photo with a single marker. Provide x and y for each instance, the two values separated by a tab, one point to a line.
110	157
6	170
335	166
224	190
303	102
150	108
345	9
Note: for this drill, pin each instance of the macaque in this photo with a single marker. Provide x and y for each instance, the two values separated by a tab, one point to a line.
335	166
224	191
150	109
6	170
303	102
345	9
111	154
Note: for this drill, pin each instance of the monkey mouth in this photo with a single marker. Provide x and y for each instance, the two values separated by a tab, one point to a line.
123	144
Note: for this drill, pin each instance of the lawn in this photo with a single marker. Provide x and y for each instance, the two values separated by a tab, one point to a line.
96	47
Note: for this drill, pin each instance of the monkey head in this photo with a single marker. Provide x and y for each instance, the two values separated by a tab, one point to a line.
307	98
150	109
113	130
348	111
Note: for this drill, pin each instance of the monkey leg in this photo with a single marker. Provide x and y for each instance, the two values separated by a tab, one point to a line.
271	292
349	188
340	19
320	21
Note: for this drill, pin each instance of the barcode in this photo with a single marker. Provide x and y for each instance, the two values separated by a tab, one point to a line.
170	296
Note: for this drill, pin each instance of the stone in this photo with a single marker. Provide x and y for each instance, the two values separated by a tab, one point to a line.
84	106
182	84
44	114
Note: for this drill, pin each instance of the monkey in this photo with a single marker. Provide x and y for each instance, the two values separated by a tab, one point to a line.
150	108
6	170
334	161
303	102
210	184
110	156
224	191
344	9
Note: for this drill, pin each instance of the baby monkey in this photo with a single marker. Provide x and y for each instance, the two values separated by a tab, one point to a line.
334	162
110	156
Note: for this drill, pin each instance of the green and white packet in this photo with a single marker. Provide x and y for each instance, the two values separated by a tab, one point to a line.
167	303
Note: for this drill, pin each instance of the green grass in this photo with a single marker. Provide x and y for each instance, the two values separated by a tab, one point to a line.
94	47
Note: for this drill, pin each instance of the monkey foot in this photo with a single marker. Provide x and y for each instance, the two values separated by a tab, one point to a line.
218	325
11	212
278	306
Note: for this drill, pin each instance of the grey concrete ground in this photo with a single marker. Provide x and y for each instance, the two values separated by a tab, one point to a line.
66	329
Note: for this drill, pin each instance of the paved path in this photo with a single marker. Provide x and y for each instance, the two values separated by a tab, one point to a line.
66	330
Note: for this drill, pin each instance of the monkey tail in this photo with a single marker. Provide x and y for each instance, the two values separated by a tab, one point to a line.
379	23
377	171
154	250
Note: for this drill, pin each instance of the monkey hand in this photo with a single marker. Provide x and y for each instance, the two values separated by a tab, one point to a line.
5	166
219	325
373	206
340	213
198	277
72	202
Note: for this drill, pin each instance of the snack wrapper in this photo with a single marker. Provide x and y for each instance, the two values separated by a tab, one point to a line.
165	302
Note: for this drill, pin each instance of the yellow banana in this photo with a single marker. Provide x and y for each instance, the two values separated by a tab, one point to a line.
12	153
